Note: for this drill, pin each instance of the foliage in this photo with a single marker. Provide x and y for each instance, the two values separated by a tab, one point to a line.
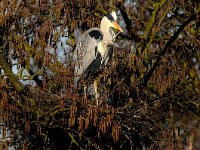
149	93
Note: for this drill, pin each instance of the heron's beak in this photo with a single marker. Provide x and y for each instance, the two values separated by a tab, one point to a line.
116	26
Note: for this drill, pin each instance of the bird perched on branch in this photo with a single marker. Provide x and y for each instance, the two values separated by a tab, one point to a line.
94	49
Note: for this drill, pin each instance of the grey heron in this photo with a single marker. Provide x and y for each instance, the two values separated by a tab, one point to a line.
94	49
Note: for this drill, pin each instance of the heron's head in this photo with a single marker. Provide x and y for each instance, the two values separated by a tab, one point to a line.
110	21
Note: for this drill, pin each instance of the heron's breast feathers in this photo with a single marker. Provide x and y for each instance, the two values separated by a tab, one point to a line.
102	48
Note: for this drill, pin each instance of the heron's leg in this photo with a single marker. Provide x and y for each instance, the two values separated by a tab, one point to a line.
96	92
85	91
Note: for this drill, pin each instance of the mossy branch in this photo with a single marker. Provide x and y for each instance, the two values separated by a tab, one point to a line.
148	39
8	72
74	141
151	21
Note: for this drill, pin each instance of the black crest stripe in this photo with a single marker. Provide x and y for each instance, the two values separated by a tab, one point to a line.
110	17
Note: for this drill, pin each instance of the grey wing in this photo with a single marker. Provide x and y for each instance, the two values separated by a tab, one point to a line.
85	52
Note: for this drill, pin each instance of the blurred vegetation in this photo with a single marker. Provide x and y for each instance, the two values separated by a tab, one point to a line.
149	93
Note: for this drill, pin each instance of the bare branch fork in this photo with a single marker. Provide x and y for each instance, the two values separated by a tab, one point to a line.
167	45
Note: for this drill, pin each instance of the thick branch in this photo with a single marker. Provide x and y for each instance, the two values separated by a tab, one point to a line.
8	72
167	45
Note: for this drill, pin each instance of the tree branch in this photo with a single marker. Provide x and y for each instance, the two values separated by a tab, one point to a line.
148	39
151	21
8	72
128	25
